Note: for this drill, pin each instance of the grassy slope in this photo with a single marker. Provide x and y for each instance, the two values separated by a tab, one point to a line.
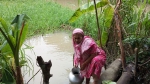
44	15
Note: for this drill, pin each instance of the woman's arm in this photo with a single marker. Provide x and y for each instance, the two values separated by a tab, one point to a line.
75	61
93	53
87	61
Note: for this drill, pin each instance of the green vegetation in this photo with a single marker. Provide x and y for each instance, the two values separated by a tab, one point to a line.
135	29
47	16
15	36
105	15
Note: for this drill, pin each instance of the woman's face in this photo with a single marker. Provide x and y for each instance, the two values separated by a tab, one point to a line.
78	38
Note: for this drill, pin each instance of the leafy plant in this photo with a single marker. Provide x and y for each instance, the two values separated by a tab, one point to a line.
106	12
135	20
136	24
15	36
88	7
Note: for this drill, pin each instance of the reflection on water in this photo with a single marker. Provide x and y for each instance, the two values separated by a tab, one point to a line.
56	47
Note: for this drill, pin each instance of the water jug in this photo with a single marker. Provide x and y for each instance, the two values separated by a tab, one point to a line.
75	76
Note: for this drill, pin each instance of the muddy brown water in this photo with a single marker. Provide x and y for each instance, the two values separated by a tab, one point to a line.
56	47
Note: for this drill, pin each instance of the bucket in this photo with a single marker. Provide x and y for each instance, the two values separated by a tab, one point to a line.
75	76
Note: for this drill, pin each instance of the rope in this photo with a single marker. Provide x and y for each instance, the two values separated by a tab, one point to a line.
33	75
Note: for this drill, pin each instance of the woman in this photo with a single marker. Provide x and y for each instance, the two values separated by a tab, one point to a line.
88	55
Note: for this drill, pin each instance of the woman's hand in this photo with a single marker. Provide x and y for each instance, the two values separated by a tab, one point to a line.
83	66
75	66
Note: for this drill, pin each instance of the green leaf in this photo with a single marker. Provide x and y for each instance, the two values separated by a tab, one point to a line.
4	25
7	77
22	62
18	21
104	37
88	7
3	45
12	39
5	33
146	22
5	49
108	15
24	34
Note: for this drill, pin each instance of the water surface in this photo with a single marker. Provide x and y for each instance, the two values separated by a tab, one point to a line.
56	47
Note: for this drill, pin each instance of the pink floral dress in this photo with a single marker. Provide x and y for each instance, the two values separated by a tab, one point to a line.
83	51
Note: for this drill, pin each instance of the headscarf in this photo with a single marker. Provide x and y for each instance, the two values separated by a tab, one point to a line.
78	30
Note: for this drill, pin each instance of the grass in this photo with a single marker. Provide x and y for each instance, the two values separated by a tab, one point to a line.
45	16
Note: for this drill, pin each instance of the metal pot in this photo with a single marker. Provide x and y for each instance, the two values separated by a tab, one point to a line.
75	76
